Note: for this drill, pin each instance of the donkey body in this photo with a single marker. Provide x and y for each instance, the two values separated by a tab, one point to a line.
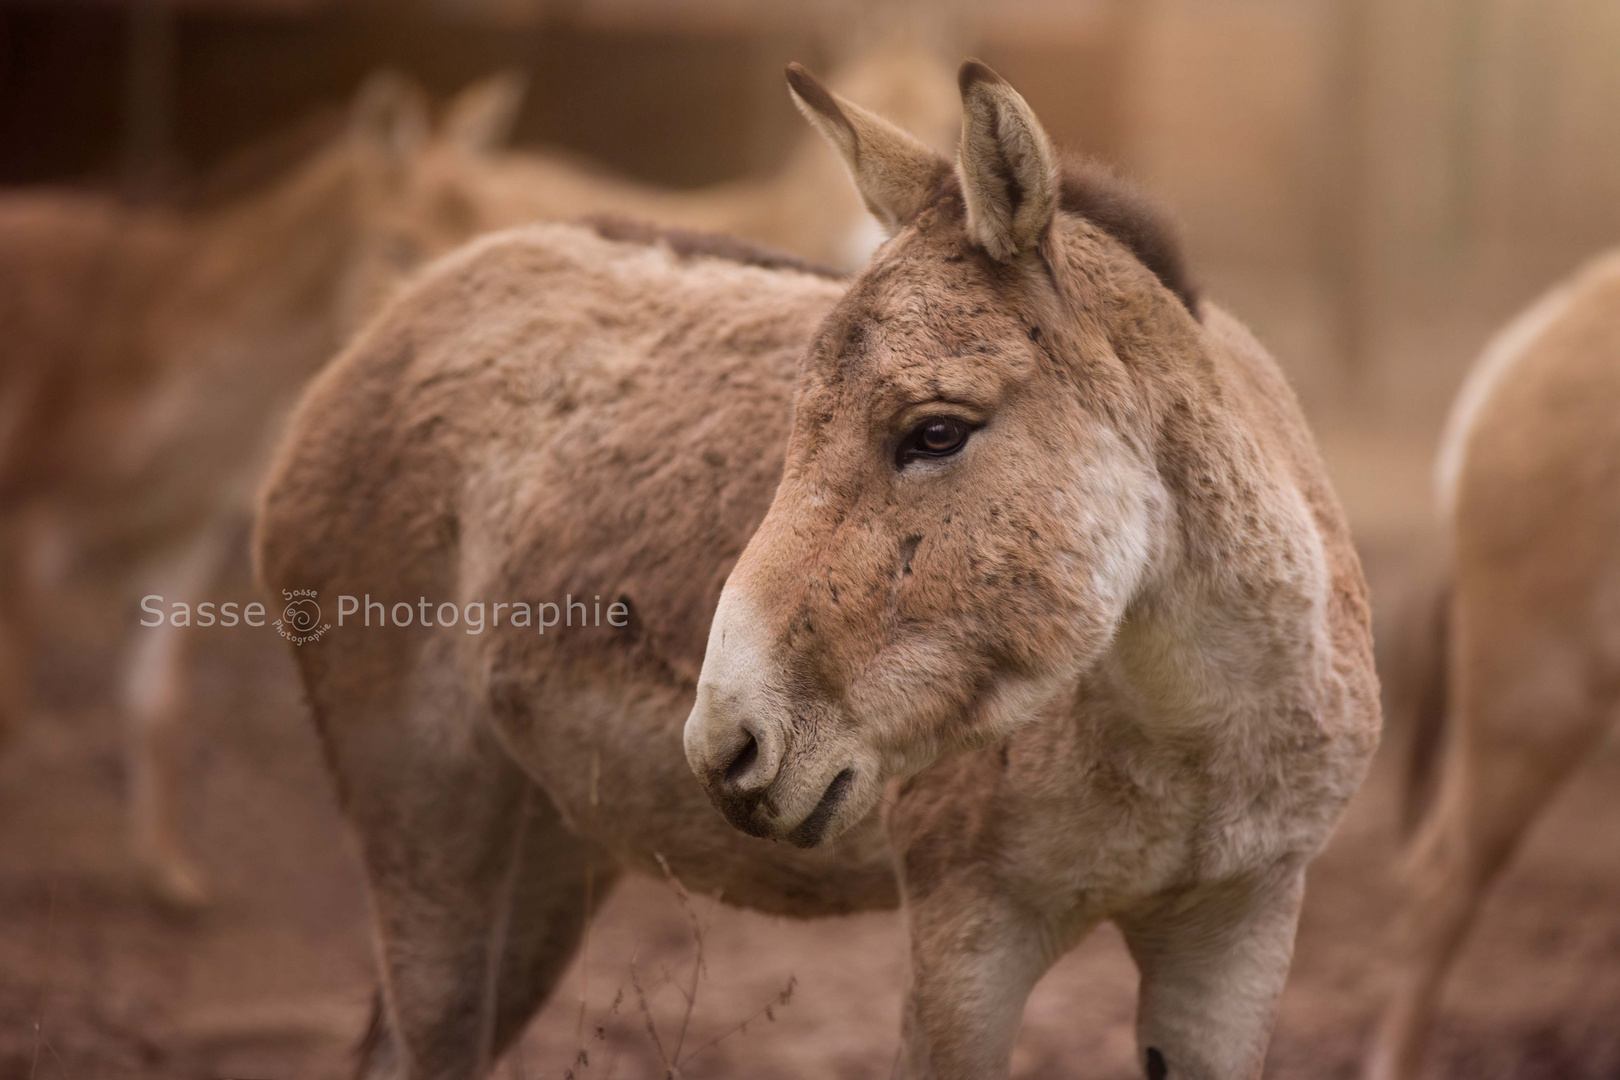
1529	486
153	357
1010	534
66	377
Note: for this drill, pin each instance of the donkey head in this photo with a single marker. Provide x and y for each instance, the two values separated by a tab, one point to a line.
419	190
970	501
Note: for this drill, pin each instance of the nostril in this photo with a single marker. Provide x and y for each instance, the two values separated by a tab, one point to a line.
744	760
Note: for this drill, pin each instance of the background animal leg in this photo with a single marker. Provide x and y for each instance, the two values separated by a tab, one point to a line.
1213	962
15	640
1502	767
14	691
156	698
157	695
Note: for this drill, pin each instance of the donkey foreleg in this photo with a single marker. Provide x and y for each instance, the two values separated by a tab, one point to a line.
480	891
156	696
481	894
975	956
1213	961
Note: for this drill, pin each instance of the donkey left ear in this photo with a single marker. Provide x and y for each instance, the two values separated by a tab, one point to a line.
894	172
389	118
1008	168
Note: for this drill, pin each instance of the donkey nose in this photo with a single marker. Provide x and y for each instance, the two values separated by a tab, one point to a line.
737	774
749	769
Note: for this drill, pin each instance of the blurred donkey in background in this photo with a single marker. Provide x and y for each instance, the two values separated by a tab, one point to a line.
152	355
1524	674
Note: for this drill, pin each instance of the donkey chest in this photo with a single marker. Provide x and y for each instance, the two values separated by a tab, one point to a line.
1100	817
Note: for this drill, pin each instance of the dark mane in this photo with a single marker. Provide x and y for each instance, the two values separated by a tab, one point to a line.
1093	191
1090	189
688	243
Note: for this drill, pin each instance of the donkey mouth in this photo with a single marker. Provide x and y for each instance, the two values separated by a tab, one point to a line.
810	831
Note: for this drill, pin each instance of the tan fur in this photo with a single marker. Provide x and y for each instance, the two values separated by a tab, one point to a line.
1111	661
893	171
1533	664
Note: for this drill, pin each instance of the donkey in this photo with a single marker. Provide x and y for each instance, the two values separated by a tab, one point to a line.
1528	656
1010	535
61	257
152	357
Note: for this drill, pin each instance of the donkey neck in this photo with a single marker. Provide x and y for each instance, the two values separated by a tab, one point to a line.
280	250
1191	662
1226	625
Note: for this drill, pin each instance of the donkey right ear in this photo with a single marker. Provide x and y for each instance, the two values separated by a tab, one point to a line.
481	117
894	172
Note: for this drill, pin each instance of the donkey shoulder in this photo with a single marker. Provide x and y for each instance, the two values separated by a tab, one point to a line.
1277	422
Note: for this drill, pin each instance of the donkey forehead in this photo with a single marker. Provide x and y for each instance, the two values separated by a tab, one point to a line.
926	321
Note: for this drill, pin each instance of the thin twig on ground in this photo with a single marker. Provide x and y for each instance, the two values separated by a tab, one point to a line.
670	1072
699	929
590	904
673	1058
768	1011
582	1059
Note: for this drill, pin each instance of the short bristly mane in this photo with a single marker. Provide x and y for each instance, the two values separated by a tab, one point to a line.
1090	189
1097	194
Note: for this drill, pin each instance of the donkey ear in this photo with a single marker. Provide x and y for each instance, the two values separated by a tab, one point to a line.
894	172
1009	171
481	117
389	117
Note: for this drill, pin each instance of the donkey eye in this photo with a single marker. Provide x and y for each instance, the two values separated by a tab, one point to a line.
938	436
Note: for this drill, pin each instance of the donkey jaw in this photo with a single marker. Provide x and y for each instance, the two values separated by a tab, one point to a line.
816	827
826	819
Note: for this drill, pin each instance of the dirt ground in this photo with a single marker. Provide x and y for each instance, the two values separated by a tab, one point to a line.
274	981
